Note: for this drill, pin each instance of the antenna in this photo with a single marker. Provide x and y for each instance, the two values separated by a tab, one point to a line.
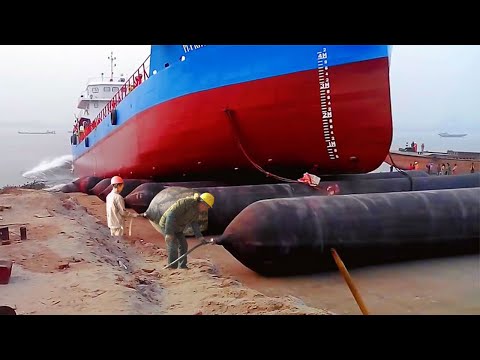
112	65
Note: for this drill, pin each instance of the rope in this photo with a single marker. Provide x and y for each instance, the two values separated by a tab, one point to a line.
401	171
235	130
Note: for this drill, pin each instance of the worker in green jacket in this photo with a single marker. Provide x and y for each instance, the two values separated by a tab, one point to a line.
182	213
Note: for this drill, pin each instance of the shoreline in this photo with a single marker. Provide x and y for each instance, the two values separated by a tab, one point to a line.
31	185
70	264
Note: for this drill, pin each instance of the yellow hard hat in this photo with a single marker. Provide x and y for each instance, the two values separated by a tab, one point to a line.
208	198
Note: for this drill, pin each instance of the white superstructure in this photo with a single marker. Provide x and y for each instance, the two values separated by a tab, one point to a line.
98	92
101	96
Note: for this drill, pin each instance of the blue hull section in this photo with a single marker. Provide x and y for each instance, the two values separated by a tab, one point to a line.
177	70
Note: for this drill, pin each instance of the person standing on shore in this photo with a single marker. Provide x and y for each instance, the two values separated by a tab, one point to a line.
449	169
115	204
429	168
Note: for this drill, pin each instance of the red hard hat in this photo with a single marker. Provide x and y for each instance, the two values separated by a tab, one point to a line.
116	180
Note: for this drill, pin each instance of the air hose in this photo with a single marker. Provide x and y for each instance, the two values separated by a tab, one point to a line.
211	241
402	172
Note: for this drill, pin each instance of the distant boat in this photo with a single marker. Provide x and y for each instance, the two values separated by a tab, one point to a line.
444	134
37	133
403	158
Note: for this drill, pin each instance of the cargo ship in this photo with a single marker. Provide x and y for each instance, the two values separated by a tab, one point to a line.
206	112
444	134
48	132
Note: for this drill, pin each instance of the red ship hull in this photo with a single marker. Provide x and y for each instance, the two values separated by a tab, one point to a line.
280	126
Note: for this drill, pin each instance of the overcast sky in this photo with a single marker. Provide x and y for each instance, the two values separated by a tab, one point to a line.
434	88
43	82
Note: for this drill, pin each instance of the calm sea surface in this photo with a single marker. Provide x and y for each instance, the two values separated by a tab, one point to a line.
24	158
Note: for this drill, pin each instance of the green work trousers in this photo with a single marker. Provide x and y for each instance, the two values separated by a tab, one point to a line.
176	248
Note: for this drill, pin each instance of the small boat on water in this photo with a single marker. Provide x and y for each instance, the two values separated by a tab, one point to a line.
444	134
403	158
48	132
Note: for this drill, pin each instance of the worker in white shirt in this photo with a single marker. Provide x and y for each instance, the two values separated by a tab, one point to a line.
116	212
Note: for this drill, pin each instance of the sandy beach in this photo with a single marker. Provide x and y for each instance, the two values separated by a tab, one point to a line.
69	264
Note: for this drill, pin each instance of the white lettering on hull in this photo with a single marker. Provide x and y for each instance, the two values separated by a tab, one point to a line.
188	48
326	104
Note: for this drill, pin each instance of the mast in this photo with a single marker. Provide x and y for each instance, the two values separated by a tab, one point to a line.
112	65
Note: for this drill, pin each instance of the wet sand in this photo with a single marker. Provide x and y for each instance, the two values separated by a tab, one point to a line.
426	287
434	286
446	286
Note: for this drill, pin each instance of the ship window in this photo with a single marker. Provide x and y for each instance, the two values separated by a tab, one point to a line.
114	88
95	104
95	89
106	89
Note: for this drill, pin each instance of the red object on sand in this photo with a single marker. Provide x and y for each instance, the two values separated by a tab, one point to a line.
5	271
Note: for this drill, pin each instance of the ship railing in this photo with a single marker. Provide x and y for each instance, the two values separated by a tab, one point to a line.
139	76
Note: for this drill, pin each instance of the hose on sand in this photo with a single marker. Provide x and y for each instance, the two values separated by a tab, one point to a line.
211	241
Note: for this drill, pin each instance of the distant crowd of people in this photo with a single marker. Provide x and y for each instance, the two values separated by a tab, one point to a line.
442	169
